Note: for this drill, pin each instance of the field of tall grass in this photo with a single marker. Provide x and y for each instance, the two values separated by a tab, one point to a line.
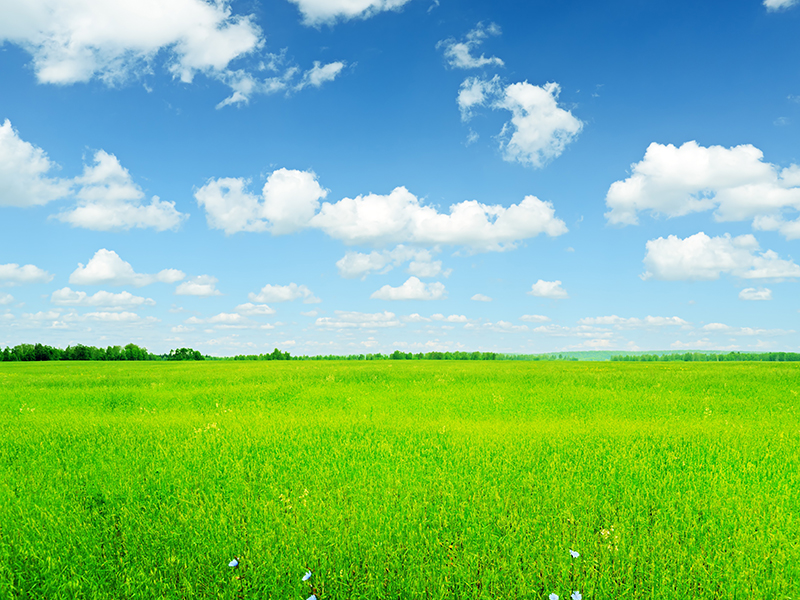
407	479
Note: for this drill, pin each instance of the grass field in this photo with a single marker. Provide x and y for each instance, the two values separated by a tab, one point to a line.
401	479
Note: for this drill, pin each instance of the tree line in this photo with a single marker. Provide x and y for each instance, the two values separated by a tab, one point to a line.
41	352
712	357
396	355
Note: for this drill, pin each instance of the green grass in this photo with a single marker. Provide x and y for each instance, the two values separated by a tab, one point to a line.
400	480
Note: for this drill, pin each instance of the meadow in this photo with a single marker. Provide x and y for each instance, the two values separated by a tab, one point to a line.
400	479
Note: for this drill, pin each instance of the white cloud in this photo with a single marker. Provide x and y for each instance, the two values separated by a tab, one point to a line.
415	318
358	264
109	199
116	317
721	328
735	182
475	92
6	299
427	268
289	200
42	316
318	12
181	329
23	172
67	297
700	257
504	327
224	321
539	130
107	196
459	54
229	320
319	74
202	285
284	293
450	319
349	319
74	41
412	289
400	217
755	294
535	318
779	4
548	289
633	322
106	267
13	274
481	298
252	310
78	40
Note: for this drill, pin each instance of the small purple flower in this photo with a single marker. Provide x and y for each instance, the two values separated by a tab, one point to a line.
234	563
553	596
312	597
573	554
307	576
576	595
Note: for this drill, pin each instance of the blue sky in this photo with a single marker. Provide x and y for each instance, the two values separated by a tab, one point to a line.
349	176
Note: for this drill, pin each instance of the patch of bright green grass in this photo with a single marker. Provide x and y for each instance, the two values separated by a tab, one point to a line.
399	480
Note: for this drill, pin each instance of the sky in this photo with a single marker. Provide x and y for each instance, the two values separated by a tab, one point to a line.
353	176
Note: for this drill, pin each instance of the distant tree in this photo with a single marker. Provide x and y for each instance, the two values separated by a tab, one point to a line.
189	354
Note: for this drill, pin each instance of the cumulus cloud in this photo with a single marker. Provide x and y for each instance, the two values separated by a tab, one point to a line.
284	293
735	182
289	200
225	321
459	54
74	41
202	285
124	317
755	294
254	310
319	74
450	319
412	289
773	5
67	297
359	264
700	257
13	274
78	40
539	130
476	92
722	328
108	199
359	320
535	318
6	299
481	298
23	172
400	217
634	322
548	289
504	327
415	318
319	12
106	267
